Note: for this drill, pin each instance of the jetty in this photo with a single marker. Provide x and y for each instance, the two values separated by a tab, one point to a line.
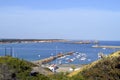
98	46
51	58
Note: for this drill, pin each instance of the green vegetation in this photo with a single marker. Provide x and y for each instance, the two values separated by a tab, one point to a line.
13	68
63	76
107	68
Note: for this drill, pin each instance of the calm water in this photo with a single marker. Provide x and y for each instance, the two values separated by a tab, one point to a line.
36	51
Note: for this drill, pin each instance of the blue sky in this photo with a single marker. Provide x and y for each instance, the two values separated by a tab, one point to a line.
60	19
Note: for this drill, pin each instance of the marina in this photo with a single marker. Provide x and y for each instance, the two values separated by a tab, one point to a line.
46	52
51	58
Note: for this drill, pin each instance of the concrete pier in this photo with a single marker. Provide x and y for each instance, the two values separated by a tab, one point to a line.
97	46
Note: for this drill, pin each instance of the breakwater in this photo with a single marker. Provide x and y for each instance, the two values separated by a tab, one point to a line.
51	58
97	46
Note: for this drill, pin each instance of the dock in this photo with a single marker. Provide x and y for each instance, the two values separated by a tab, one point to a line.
51	58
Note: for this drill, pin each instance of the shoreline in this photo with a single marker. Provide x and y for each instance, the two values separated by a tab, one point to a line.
3	41
67	67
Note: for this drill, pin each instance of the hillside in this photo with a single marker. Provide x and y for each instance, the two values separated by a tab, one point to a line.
15	69
107	68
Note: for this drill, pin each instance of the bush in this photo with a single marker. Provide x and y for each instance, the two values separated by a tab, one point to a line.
19	69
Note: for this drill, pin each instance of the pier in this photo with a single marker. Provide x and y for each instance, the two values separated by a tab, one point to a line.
97	46
51	58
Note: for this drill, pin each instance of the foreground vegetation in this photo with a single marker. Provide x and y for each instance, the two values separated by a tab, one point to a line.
107	68
15	69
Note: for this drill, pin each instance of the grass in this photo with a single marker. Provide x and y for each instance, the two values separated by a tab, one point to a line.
11	68
107	68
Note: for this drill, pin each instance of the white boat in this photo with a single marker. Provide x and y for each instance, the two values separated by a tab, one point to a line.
104	48
66	58
38	55
83	58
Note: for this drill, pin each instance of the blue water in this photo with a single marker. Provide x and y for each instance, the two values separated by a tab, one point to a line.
31	51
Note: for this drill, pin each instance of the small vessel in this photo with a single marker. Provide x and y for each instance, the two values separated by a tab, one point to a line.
83	58
95	46
104	48
60	62
38	55
66	58
70	60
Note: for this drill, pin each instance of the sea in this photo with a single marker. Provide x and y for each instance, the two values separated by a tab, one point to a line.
83	53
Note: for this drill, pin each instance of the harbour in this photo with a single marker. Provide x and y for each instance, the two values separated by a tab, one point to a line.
41	51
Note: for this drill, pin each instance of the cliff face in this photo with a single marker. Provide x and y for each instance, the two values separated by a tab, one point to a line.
107	68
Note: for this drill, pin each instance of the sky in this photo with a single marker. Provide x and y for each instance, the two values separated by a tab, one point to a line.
60	19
